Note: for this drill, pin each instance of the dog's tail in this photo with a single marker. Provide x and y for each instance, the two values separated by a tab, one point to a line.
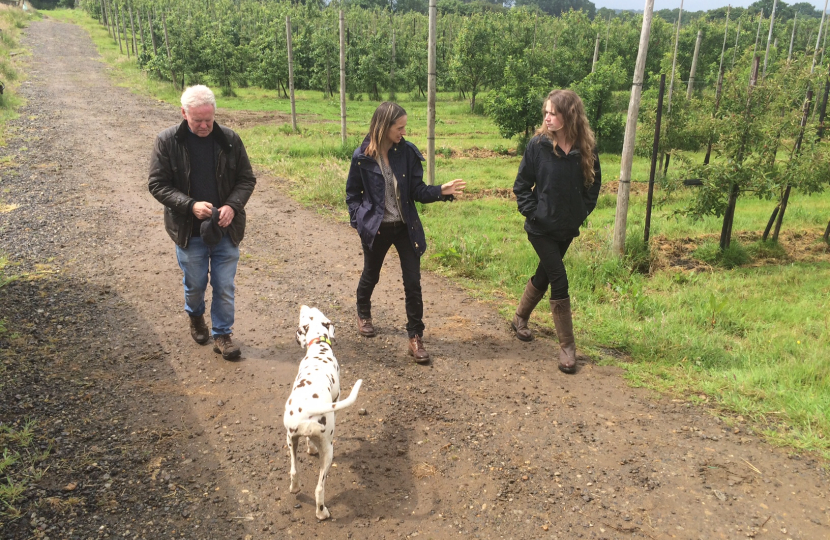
337	405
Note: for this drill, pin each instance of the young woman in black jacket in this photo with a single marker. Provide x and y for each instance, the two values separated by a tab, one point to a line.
556	188
385	180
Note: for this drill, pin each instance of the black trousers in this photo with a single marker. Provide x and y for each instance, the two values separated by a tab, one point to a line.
393	235
551	269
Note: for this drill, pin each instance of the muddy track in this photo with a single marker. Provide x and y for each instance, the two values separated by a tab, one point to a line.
158	437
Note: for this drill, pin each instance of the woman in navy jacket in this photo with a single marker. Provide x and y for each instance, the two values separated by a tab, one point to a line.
385	180
556	188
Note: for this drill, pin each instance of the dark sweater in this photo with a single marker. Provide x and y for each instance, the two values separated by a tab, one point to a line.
202	173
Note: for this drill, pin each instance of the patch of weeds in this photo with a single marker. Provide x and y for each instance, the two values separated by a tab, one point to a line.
766	250
445	152
501	150
18	463
286	129
638	253
732	257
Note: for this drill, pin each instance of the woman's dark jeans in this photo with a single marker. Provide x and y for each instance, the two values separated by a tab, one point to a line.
551	269
389	235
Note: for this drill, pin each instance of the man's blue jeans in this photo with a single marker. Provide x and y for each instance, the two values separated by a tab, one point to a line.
197	261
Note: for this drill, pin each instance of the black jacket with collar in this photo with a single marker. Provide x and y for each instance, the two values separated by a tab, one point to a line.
170	180
366	189
550	190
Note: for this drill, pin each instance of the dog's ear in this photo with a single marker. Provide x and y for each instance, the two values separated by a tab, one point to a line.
301	335
329	328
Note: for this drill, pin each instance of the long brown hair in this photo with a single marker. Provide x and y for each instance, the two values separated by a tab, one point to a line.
568	106
385	117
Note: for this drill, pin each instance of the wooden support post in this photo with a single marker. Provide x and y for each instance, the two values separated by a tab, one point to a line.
691	87
769	37
343	78
596	55
647	231
141	31
792	40
630	137
737	38
433	11
719	88
818	38
291	73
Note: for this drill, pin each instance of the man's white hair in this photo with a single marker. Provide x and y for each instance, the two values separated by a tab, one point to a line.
196	96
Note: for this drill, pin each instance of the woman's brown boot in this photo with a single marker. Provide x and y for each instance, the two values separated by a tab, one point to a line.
530	298
561	311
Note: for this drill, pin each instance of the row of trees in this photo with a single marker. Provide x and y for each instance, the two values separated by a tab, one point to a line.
516	56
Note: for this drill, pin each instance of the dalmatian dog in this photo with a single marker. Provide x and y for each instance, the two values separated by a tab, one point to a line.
309	411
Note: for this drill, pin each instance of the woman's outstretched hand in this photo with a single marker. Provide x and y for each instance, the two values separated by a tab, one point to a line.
456	187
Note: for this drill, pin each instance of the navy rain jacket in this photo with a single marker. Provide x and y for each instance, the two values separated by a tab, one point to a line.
366	188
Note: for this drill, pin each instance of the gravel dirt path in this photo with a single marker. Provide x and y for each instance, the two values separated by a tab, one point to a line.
147	435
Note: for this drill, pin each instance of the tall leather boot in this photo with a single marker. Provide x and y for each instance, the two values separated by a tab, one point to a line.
530	298
561	311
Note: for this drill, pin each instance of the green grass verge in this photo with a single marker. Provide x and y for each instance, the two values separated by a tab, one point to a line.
749	341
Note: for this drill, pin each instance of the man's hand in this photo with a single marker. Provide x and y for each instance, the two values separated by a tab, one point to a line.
202	210
226	214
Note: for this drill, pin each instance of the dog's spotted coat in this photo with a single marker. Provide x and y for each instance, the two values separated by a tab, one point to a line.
309	411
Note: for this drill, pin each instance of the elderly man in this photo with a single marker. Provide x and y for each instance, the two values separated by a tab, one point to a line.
197	168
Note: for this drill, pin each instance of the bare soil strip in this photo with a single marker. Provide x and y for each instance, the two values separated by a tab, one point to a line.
153	436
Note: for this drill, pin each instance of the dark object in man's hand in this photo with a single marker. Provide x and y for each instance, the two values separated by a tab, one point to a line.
211	232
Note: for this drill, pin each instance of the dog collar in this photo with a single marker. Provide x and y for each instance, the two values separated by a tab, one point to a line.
323	339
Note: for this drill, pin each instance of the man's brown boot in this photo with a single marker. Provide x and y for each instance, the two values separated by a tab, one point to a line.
199	330
561	311
365	327
416	349
224	345
530	298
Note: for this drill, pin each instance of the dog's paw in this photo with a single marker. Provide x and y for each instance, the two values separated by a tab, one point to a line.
323	514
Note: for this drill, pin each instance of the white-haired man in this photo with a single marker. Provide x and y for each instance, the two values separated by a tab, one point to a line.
198	167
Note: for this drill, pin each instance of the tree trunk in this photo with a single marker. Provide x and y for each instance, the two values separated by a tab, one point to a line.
152	34
124	25
118	29
132	31
629	141
169	56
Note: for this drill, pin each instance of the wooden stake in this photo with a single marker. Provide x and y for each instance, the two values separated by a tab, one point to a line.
797	151
291	73
735	50
647	230
169	56
719	87
124	26
818	38
769	36
433	10
674	56
691	87
792	39
596	55
629	141
342	78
